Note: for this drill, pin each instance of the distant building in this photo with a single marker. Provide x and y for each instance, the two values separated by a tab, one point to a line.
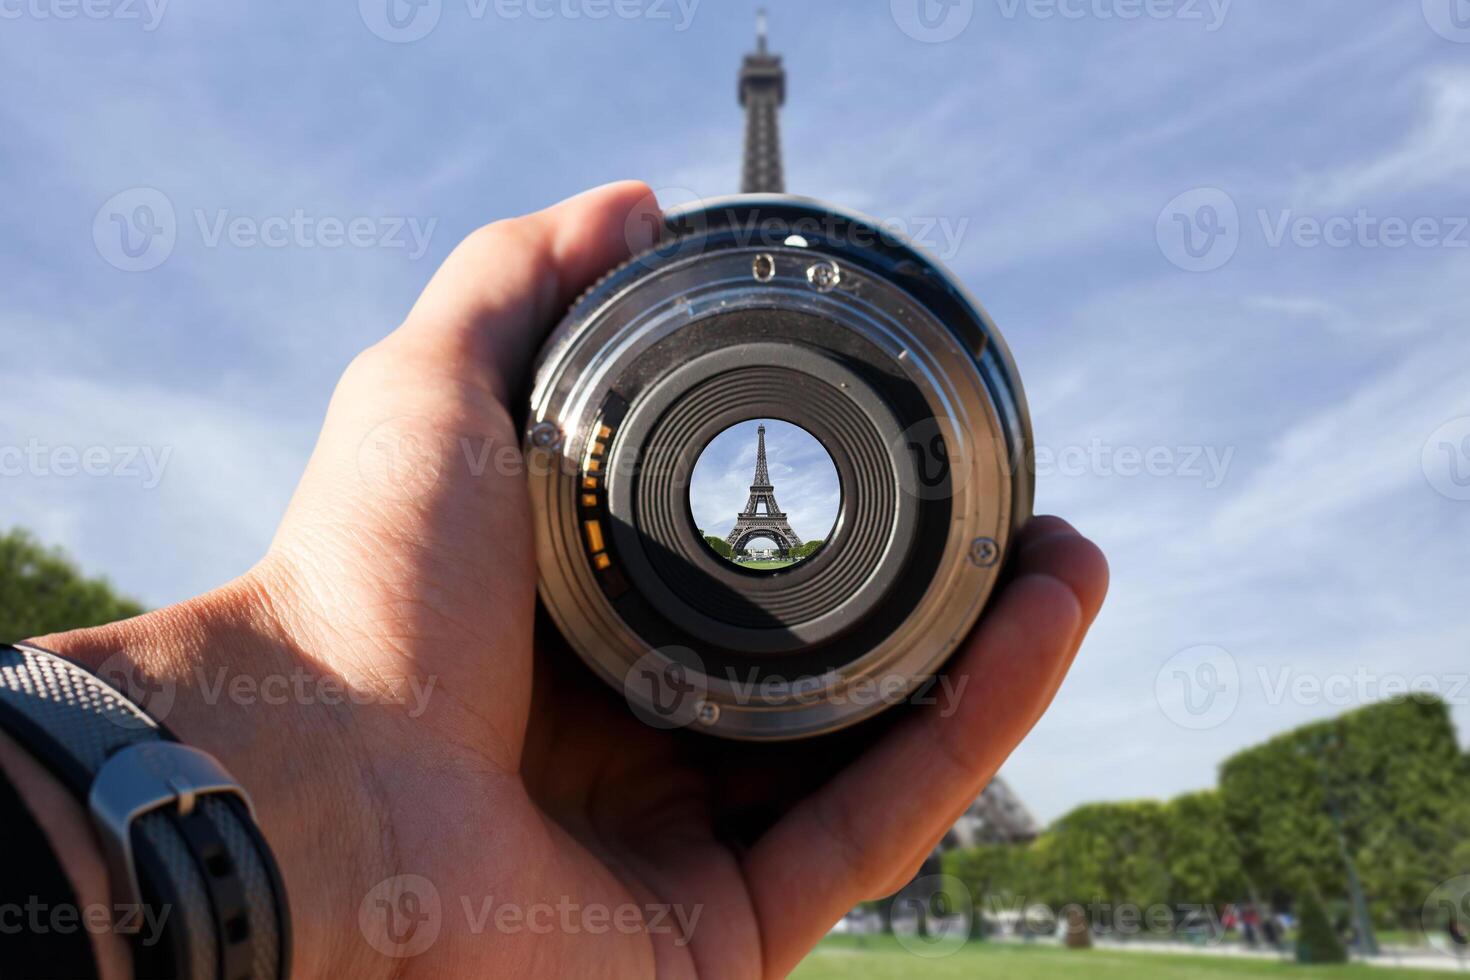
996	817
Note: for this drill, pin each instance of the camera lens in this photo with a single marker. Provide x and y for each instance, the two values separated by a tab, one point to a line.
776	462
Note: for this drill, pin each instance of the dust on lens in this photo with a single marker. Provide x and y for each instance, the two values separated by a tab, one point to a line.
765	495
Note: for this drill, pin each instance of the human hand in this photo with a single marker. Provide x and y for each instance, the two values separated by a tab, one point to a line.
474	755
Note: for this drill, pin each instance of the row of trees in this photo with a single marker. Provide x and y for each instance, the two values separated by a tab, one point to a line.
722	547
1386	785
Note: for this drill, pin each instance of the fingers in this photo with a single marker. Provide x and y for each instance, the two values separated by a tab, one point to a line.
850	840
1048	545
491	302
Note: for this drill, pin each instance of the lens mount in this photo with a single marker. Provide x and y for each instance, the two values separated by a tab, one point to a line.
774	307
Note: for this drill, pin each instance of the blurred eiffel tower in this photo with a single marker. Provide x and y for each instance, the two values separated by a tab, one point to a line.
997	816
762	93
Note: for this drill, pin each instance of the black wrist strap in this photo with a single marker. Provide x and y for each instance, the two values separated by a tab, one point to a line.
194	885
34	879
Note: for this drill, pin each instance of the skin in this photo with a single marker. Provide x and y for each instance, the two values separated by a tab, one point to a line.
522	780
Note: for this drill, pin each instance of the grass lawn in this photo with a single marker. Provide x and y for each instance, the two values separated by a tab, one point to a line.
882	958
763	565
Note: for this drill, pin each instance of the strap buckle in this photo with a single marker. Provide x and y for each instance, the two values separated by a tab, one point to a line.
139	779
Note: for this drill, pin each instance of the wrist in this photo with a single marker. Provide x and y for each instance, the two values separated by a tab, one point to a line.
223	674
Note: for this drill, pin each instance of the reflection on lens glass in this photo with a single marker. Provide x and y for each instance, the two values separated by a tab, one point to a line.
764	495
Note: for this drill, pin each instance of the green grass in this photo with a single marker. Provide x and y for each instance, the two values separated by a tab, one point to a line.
882	958
763	565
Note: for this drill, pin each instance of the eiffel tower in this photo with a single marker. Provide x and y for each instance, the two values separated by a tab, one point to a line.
762	91
751	523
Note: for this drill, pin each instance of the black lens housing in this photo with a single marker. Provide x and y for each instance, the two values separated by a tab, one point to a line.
775	307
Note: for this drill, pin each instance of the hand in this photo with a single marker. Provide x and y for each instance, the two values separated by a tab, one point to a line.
476	754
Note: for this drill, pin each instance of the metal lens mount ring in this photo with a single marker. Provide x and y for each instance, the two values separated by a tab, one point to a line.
774	307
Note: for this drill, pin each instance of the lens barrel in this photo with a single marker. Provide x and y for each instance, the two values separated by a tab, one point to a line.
774	307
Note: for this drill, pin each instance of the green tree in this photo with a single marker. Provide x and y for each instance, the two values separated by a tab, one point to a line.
41	591
1108	853
1200	852
1316	941
1387	782
720	545
807	549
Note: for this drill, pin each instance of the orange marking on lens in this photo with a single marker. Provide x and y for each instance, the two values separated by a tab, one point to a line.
594	534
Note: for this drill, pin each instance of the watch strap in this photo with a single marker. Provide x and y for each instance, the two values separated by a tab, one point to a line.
187	863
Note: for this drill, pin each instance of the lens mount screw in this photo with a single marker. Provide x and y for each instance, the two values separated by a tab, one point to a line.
707	713
984	552
763	267
824	276
547	436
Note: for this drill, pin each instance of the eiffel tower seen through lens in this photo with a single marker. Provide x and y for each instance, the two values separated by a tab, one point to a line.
762	516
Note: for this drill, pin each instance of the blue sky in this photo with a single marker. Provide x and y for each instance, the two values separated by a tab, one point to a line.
1054	156
806	482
